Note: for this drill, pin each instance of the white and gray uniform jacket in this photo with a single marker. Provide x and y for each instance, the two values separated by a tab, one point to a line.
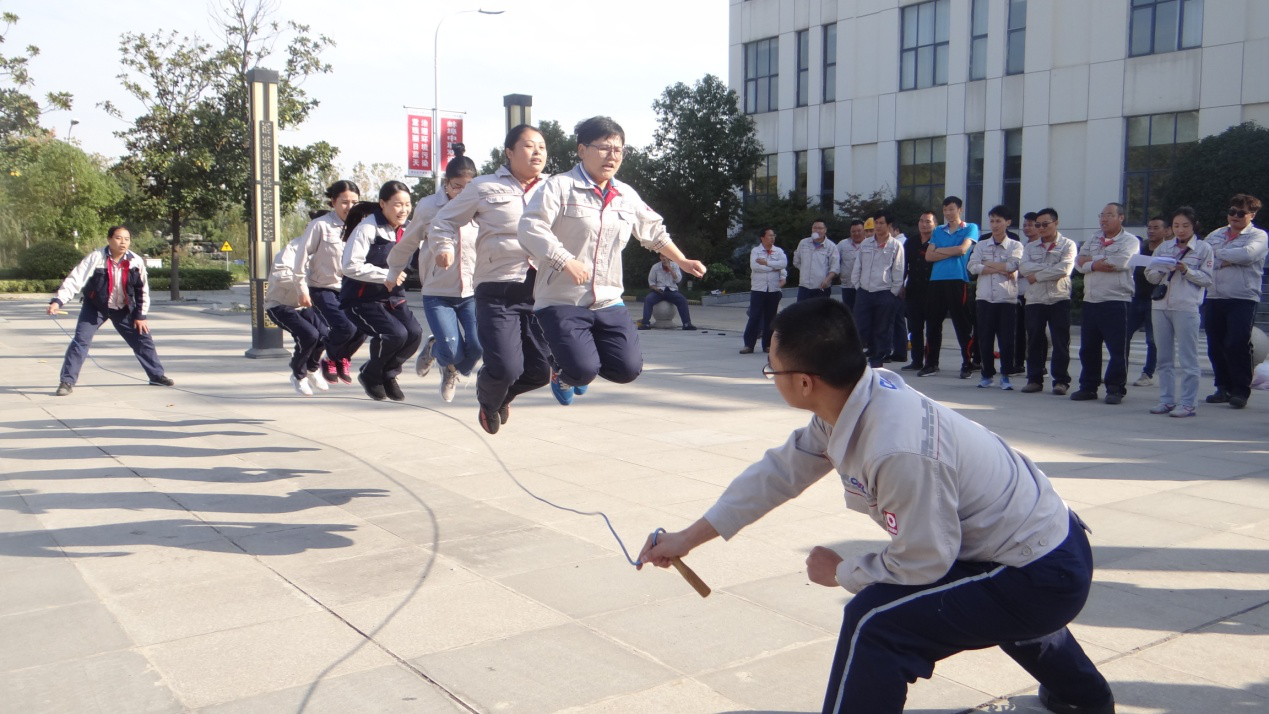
815	261
81	274
848	253
454	281
659	278
322	254
766	278
996	288
1051	264
878	267
943	487
1185	290
1117	286
495	202
286	287
1239	263
569	218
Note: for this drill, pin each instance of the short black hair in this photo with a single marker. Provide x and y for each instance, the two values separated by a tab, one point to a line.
819	337
1047	212
596	128
931	214
339	188
856	222
819	220
1030	216
953	199
1162	219
1005	213
110	232
884	214
517	132
1188	214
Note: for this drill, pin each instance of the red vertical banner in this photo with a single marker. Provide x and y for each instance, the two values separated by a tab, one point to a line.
451	133
419	142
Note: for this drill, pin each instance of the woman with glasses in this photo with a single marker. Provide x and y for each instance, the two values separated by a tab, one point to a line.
514	350
1238	252
448	301
575	228
1182	272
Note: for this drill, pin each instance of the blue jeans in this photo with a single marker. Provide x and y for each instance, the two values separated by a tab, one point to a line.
1178	332
453	323
1139	318
90	318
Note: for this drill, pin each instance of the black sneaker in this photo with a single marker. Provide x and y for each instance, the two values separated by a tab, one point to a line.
645	325
1083	395
1058	706
1220	396
1061	389
1114	398
344	370
374	391
746	350
161	381
967	371
689	327
64	388
393	390
928	371
1238	402
504	413
1032	388
489	422
912	367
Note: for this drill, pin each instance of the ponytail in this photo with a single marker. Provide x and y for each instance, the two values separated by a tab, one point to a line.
460	165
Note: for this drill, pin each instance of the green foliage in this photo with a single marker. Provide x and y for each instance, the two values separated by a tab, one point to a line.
1216	168
29	286
61	194
196	279
49	260
561	150
19	112
717	275
424	187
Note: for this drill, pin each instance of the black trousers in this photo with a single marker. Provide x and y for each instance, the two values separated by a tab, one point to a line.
1228	324
874	316
395	335
515	349
918	307
309	330
1056	318
995	325
343	339
763	307
949	297
1104	323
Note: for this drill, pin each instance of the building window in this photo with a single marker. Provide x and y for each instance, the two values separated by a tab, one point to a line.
974	179
1165	26
1154	144
800	171
1011	190
763	183
923	57
922	164
978	40
1016	45
828	178
762	75
830	63
804	67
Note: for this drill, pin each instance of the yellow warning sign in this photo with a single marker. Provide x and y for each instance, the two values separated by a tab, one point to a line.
226	248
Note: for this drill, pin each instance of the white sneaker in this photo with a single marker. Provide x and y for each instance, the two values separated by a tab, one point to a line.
301	386
317	383
424	363
1145	381
449	383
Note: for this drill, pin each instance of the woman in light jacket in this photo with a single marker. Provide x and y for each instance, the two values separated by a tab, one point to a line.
375	304
575	228
448	294
319	278
767	263
284	303
514	349
1175	312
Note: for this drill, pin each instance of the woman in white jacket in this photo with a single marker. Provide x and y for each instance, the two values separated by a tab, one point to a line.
285	304
448	293
319	278
1182	277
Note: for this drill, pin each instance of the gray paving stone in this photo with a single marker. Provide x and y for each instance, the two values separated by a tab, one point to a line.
122	682
87	629
385	690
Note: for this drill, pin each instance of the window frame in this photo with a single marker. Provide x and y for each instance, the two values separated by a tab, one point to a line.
913	51
753	80
828	177
978	10
1011	180
830	67
1138	9
975	176
802	64
1153	169
765	182
1016	30
929	192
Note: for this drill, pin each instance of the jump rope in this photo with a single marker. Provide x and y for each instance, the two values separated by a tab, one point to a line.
688	574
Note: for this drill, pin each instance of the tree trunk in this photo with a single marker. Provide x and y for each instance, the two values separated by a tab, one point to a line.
176	259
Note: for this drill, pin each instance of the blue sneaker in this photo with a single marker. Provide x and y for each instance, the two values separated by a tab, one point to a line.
1005	384
984	383
563	392
580	390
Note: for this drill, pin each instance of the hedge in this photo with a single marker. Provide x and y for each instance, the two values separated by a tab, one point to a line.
194	279
29	286
48	260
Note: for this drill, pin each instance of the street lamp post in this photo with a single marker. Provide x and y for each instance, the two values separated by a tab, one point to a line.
437	153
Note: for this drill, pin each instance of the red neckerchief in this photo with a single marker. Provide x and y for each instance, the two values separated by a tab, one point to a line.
400	232
1229	237
124	267
1050	246
1105	241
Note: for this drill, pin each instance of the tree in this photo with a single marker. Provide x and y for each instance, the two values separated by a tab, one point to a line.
62	195
561	150
703	151
1210	172
371	178
20	112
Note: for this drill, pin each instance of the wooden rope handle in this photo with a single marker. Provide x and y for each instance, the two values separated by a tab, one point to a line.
691	577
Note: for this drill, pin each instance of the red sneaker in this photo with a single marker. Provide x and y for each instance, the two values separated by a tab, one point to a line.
329	372
345	371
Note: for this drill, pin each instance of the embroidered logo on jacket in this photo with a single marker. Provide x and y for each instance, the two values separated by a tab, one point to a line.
892	522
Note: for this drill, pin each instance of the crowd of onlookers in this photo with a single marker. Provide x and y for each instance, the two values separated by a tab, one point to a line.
1010	298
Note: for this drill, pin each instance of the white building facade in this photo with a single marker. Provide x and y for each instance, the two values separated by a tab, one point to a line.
1031	103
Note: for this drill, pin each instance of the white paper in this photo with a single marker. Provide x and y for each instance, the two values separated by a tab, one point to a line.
1151	261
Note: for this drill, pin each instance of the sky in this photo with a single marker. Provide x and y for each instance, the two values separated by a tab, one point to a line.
575	61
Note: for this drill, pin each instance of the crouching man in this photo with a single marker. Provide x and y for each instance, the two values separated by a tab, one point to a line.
982	552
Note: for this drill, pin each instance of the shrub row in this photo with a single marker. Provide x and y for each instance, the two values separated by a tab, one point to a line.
29	286
193	279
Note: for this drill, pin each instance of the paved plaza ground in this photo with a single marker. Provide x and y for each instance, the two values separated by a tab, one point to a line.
230	547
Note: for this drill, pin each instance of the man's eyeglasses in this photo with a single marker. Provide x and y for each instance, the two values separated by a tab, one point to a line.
1045	224
771	373
608	150
1236	213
